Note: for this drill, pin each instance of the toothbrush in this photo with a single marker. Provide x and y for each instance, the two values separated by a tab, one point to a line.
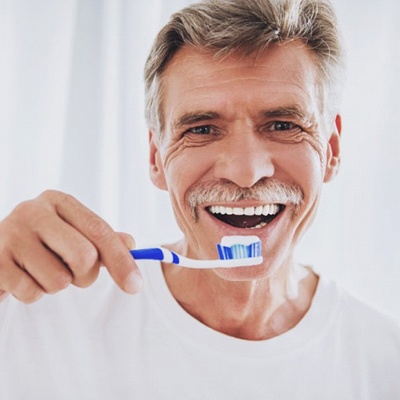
233	251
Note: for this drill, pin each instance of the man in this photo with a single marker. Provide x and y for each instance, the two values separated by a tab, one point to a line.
242	106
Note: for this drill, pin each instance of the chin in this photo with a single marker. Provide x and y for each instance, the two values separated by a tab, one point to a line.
243	274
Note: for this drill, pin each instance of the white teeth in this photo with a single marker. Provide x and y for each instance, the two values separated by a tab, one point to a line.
261	225
238	211
274	209
268	209
249	211
258	210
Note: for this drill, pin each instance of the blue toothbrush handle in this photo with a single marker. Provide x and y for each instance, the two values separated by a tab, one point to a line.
148	254
156	253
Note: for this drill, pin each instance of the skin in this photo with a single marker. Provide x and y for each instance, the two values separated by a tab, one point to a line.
243	120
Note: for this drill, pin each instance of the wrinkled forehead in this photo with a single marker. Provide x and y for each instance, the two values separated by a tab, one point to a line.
282	70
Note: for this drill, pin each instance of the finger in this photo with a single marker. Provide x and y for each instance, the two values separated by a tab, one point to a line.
19	283
72	249
43	266
127	239
112	251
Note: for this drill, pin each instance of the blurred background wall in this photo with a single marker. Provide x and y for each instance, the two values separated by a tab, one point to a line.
71	118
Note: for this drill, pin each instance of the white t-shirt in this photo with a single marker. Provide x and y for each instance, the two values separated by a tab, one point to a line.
100	343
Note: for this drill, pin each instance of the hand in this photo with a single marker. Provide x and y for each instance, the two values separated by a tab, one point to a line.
52	241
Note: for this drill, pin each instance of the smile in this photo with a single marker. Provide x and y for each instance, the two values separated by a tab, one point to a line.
246	217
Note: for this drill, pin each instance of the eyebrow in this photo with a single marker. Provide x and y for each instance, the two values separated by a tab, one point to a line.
194	117
291	111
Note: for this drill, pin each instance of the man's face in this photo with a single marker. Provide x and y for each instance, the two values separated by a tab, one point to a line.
249	125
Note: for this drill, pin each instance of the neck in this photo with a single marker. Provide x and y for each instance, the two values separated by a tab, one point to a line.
256	309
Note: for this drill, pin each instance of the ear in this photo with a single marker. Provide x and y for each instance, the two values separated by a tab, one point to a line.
157	174
333	151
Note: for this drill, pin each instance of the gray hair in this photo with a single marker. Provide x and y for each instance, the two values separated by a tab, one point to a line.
229	26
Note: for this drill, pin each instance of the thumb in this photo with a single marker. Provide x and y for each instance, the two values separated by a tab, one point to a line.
132	282
127	240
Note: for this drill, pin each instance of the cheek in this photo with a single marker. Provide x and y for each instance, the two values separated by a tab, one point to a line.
185	167
303	163
304	167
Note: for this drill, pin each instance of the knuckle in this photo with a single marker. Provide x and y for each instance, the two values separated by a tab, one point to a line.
83	259
31	298
32	210
60	282
50	195
84	265
27	293
11	237
23	210
29	215
65	199
5	258
89	257
55	199
86	280
22	287
97	229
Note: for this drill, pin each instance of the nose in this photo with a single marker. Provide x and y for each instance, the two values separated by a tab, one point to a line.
244	160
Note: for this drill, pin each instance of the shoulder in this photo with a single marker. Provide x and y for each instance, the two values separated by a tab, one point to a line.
367	315
362	323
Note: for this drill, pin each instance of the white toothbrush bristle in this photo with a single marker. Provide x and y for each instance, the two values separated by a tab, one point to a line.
238	247
240	240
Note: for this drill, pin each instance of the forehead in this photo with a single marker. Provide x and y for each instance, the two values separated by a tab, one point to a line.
284	75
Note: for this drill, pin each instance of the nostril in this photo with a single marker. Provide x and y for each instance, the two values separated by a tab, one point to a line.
244	174
244	159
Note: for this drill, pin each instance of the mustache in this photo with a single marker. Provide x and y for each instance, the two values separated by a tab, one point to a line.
267	191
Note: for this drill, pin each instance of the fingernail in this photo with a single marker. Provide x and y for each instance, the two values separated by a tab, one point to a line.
130	243
133	283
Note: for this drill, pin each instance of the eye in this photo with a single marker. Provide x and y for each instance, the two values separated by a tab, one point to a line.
202	130
282	126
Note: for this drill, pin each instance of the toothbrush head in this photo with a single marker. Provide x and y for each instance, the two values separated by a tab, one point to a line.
240	248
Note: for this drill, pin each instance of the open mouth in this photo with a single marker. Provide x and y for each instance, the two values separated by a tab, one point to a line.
246	217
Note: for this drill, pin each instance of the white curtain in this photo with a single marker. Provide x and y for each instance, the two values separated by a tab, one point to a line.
71	118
